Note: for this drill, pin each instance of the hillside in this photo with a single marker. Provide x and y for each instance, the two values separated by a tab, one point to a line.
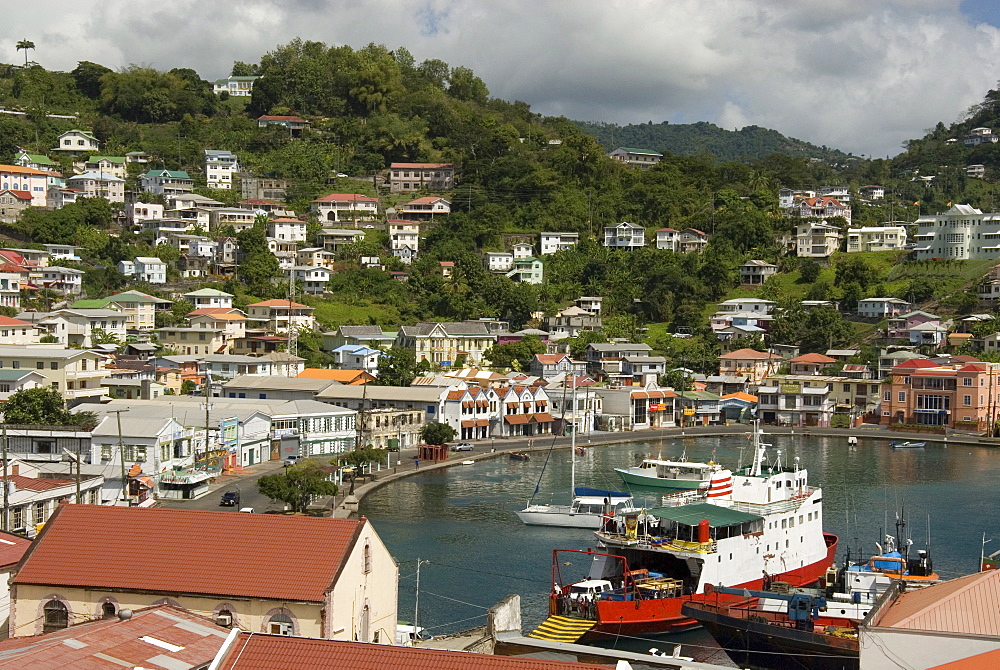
690	139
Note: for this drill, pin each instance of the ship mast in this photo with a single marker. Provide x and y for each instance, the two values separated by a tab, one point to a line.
758	451
572	445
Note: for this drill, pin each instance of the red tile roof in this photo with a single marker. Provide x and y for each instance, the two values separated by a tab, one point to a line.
346	197
812	358
822	201
549	359
11	321
446	264
196	639
918	363
302	555
202	311
749	354
279	304
255	651
12	548
36	484
20	195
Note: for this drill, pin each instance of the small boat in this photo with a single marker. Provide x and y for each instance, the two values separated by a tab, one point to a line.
580	451
468	462
589	509
908	445
767	639
852	441
519	455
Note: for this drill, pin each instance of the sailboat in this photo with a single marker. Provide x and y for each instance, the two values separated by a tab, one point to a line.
589	507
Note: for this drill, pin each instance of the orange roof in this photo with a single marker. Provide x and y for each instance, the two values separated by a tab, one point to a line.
813	358
201	311
346	197
990	659
968	605
350	377
822	201
918	363
258	651
11	321
549	359
740	395
303	555
280	304
749	354
21	170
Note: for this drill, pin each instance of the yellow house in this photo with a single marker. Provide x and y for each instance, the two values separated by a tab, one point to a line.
288	575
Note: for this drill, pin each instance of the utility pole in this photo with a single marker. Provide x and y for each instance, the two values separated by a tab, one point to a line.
416	600
121	450
208	406
6	484
293	333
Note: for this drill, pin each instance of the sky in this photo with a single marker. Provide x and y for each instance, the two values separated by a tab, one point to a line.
858	75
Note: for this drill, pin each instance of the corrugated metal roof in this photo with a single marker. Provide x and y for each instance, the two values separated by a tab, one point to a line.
254	651
302	554
968	605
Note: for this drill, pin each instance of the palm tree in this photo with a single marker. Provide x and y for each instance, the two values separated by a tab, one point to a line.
25	44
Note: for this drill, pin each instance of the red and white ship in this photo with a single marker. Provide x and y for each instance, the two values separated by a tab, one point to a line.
761	524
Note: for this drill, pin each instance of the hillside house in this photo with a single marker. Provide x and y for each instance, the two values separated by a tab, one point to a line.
880	308
409	177
624	235
345	207
550	243
757	271
76	143
668	239
756	365
817	240
238	86
166	182
640	158
294	124
876	238
824	207
424	209
692	241
111	165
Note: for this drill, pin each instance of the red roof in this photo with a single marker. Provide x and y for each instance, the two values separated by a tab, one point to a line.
968	605
696	231
420	165
302	555
193	642
10	321
822	201
201	311
12	548
346	197
36	484
749	354
257	651
918	363
280	304
666	230
813	358
13	257
989	659
20	195
446	264
549	359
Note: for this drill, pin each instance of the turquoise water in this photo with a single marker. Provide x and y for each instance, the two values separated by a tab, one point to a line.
462	519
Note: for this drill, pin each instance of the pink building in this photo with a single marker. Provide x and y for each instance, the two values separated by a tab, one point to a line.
963	395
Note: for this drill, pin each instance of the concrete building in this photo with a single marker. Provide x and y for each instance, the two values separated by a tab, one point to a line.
550	243
876	238
640	158
220	168
624	235
410	177
962	232
816	240
757	271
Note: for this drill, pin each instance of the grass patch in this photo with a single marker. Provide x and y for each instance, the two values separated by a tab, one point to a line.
333	313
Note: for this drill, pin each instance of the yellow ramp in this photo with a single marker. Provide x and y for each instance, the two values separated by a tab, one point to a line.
562	629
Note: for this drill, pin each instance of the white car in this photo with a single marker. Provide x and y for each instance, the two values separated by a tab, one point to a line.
341	175
463	446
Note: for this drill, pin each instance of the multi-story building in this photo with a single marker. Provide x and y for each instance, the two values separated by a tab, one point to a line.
404	239
880	308
138	308
313	279
962	232
220	166
25	181
624	235
550	243
757	271
926	393
979	136
876	238
498	261
791	199
76	373
571	321
210	297
824	207
668	239
691	241
528	270
755	365
253	187
109	165
77	142
237	217
424	209
606	360
409	177
332	239
150	269
806	402
316	257
286	229
816	240
975	171
641	158
446	343
238	86
345	207
872	192
278	315
68	281
166	182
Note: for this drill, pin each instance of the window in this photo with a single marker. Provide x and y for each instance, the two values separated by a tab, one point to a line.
40	365
19	517
56	616
887	396
108	610
39	510
280	624
967	400
901	396
966	381
368	557
105	452
53	365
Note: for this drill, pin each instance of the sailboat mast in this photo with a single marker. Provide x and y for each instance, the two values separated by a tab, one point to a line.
572	445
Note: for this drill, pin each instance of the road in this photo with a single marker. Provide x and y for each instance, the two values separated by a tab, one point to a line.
247	485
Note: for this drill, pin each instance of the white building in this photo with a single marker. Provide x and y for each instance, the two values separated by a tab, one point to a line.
642	158
210	297
404	240
345	207
17	178
790	199
425	208
65	280
979	136
150	269
313	279
976	171
550	243
288	230
97	185
409	177
220	166
239	86
76	142
879	308
167	182
816	240
668	239
872	192
963	232
498	261
876	238
824	207
624	235
332	239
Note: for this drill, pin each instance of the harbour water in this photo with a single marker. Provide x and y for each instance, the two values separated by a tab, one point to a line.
461	519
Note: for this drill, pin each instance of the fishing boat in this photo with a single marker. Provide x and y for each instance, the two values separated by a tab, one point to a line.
908	445
793	637
518	455
670	475
762	523
894	562
590	507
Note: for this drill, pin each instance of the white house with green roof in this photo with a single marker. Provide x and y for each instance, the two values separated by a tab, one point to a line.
527	270
139	309
35	161
113	165
77	142
166	182
641	158
210	297
239	86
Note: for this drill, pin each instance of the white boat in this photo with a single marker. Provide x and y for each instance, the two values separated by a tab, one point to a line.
908	445
670	475
589	508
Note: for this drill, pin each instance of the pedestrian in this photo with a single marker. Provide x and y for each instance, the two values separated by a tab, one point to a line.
416	463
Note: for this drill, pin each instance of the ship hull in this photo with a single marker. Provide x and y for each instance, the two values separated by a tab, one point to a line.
659	483
664	615
560	519
766	645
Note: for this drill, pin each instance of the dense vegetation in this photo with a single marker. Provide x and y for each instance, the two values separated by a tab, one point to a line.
371	106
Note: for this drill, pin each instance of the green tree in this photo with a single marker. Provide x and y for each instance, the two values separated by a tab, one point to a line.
43	406
297	485
397	367
808	270
578	344
360	457
515	355
101	336
87	76
854	269
437	433
25	44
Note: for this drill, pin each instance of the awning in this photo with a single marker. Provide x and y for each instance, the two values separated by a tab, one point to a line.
468	424
690	515
516	419
542	417
468	404
513	405
146	481
482	422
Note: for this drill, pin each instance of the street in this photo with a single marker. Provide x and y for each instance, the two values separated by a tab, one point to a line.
247	485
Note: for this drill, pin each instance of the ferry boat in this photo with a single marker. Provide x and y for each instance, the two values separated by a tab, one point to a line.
763	523
670	475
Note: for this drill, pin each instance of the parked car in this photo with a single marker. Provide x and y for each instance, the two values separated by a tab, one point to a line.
463	446
292	460
230	498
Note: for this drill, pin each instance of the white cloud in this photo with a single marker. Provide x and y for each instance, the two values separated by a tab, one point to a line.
861	76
